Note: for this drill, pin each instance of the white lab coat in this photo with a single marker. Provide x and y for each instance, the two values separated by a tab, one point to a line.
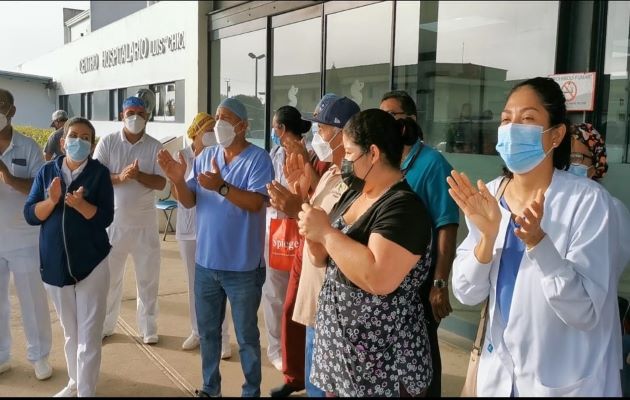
560	338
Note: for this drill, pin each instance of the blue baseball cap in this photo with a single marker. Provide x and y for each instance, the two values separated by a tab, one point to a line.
335	111
236	107
328	97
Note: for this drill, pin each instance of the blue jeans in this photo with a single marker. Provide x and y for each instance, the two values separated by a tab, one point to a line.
243	290
311	390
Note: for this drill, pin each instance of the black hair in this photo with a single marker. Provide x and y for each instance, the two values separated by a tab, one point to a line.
379	128
553	100
411	131
291	118
79	120
6	97
406	102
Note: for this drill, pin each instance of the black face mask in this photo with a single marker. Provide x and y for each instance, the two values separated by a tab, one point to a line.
349	178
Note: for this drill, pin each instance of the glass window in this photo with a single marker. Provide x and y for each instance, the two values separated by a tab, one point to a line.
239	64
164	101
100	105
617	60
63	102
468	56
113	105
74	105
358	47
296	77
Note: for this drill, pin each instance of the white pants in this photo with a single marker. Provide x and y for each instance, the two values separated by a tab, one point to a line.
187	252
144	246
273	293
81	310
24	264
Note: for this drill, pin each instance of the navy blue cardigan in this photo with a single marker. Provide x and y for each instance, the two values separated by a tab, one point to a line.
86	241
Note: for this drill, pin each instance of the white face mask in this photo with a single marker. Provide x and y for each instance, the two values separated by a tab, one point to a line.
224	133
208	139
135	124
322	148
4	121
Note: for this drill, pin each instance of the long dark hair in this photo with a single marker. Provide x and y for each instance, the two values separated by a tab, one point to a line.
379	128
553	100
291	118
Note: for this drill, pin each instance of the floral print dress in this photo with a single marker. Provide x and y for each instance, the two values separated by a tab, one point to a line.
368	345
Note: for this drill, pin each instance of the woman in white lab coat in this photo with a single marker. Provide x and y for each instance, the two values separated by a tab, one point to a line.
542	256
201	134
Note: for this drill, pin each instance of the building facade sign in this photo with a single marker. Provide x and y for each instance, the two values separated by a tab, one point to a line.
132	52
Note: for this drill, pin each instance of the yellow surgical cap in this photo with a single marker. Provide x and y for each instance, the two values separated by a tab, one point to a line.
203	122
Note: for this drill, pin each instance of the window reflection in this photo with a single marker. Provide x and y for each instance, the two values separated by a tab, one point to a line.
297	66
358	53
164	101
617	108
243	77
468	56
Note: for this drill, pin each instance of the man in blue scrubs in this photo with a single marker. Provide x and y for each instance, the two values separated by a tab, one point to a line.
228	186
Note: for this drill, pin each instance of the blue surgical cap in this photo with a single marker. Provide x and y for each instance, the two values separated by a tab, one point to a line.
236	107
133	102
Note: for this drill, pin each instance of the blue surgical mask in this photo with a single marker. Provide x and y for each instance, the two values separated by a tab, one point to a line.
520	146
274	137
579	170
78	149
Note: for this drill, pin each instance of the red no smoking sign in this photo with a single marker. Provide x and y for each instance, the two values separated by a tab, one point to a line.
569	88
578	89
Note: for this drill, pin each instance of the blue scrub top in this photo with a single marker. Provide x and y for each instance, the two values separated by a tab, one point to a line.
511	257
230	238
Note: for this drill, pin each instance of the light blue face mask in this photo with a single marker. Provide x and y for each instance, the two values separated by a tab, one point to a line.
579	170
520	146
275	139
78	149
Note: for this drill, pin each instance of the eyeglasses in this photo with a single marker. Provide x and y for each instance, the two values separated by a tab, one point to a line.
577	156
394	113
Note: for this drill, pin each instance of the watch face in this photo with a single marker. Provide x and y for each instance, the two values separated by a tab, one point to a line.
223	190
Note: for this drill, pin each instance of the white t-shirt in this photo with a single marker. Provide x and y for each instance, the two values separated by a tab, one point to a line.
186	226
23	158
134	203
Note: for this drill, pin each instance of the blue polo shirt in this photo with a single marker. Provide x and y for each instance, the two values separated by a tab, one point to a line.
230	238
426	173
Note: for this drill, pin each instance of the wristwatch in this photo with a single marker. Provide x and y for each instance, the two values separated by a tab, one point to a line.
224	189
440	283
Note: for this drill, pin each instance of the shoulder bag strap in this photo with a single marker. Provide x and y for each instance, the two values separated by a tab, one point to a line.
481	330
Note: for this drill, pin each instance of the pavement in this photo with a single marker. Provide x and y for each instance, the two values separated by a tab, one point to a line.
130	368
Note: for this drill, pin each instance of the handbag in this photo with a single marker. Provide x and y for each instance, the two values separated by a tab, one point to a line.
284	242
470	384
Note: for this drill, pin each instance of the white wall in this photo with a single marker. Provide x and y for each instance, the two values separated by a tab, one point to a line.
33	102
80	30
157	21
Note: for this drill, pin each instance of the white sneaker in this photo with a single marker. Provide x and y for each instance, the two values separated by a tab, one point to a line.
5	366
151	339
277	363
68	391
191	343
43	370
226	351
